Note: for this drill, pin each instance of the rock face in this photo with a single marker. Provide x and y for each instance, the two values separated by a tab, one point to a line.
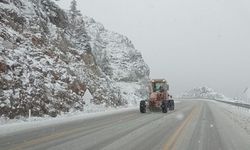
203	92
119	60
48	59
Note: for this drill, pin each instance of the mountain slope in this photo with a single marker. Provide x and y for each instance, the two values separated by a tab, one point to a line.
119	60
48	59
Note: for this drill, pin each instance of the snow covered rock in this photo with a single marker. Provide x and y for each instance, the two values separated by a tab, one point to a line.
119	60
203	92
48	59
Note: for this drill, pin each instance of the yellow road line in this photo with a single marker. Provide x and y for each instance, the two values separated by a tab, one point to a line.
173	139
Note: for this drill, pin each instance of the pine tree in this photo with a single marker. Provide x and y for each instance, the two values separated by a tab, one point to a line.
77	27
73	9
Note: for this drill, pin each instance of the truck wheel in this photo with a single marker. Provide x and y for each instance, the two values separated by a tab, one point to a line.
171	105
164	107
142	106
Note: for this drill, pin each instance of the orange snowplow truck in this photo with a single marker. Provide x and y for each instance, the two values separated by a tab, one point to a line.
159	98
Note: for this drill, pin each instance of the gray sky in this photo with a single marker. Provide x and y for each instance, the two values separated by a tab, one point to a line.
189	42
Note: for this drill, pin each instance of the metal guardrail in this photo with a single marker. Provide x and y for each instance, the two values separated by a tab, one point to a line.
236	104
227	102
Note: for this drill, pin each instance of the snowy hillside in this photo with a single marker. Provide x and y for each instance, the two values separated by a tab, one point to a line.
203	92
119	60
247	100
244	97
49	58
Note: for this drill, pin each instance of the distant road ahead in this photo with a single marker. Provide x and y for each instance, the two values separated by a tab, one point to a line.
194	125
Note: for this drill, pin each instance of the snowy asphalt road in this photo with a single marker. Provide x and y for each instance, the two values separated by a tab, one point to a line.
194	125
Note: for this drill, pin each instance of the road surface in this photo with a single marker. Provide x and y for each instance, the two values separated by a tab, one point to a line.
194	125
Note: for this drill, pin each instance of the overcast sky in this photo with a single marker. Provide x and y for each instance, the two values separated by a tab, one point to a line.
189	42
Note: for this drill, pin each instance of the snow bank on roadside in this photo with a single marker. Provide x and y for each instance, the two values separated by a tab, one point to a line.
238	114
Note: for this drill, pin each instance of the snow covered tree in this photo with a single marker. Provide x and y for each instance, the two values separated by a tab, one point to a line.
73	9
77	27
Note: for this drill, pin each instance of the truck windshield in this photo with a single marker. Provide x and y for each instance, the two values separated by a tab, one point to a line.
158	86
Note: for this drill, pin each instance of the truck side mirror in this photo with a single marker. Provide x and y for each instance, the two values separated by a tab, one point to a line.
167	87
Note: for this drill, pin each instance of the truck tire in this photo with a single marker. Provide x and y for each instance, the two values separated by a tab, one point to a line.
142	106
171	104
164	106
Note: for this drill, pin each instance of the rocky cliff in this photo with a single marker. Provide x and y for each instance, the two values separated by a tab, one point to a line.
48	58
119	60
